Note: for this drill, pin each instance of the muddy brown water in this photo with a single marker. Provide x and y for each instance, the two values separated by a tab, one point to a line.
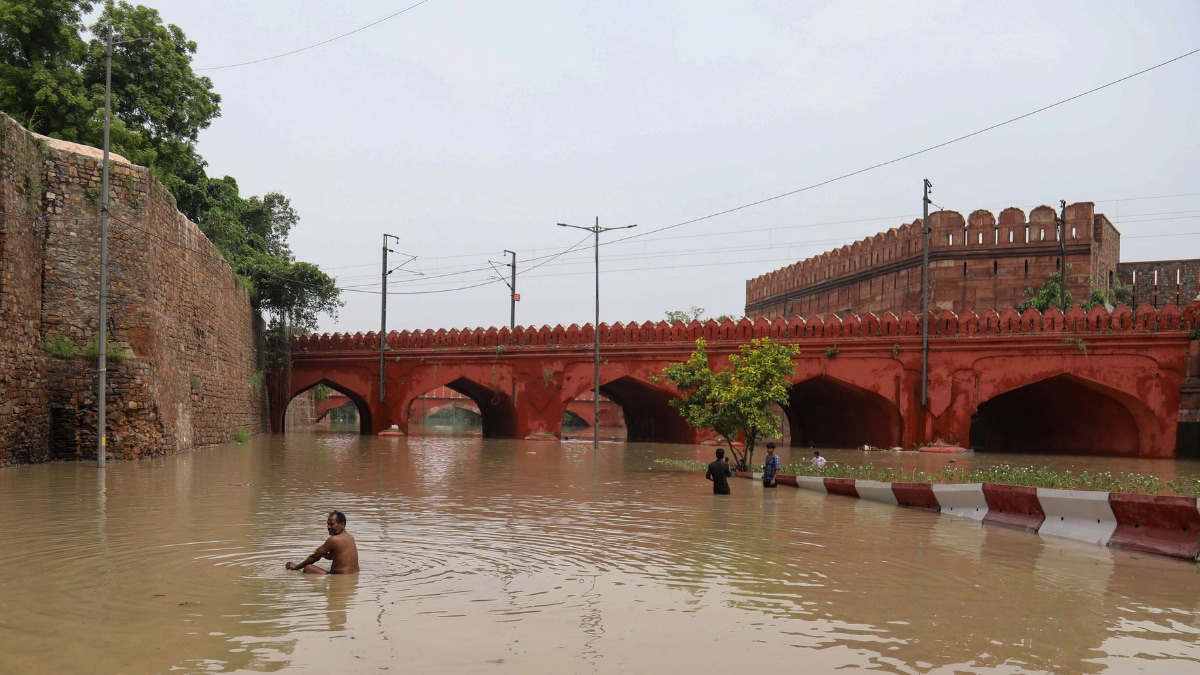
495	556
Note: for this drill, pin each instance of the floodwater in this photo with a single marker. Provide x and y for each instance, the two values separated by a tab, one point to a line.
495	556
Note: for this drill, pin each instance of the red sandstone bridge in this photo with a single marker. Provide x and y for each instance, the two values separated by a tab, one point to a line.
1101	383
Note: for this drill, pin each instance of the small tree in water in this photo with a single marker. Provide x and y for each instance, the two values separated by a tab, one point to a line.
736	400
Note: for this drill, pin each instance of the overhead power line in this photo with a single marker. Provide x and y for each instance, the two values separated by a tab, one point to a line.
903	157
318	44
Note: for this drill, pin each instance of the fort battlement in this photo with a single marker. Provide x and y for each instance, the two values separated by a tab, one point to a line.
944	323
976	262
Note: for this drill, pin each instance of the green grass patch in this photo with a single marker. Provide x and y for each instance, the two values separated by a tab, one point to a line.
1130	483
241	435
59	347
113	353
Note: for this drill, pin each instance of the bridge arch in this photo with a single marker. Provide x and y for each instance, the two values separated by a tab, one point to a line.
575	420
1061	414
649	417
826	412
499	415
364	409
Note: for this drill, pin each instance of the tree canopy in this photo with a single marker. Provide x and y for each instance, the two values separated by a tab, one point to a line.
52	82
735	401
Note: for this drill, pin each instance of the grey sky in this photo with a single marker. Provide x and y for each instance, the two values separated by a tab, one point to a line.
466	127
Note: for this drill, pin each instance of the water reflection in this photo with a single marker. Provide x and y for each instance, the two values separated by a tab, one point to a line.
483	554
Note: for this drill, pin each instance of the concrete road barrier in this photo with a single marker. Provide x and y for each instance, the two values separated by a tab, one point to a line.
1156	524
841	486
1077	514
876	491
916	496
965	500
814	483
1014	506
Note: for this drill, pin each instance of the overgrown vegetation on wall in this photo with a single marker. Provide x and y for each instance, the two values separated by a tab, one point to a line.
52	82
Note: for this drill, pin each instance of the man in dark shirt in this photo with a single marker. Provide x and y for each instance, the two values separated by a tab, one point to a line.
719	473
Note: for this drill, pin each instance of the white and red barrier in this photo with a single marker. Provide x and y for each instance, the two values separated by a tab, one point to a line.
961	499
1077	514
1156	524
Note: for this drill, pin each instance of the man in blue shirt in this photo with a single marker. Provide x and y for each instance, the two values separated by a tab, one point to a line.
771	467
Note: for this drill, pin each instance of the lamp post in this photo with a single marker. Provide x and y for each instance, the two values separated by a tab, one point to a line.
383	318
102	334
596	230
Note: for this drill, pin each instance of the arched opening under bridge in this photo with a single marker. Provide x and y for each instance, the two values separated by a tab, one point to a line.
577	419
1063	415
649	417
498	415
314	404
824	412
444	411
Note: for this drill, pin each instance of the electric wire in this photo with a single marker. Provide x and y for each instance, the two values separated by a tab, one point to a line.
318	44
903	157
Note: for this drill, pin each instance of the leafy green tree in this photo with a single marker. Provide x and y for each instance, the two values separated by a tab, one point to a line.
156	94
685	315
40	52
737	400
1047	295
52	80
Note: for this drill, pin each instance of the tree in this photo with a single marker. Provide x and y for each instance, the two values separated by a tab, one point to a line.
52	80
735	401
685	315
40	52
1047	295
157	96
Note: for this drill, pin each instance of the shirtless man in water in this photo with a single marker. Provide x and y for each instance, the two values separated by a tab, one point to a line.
339	548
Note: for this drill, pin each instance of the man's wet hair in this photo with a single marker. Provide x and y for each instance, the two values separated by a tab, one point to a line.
720	453
338	517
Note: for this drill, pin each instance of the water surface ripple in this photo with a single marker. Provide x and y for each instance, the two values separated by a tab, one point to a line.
538	557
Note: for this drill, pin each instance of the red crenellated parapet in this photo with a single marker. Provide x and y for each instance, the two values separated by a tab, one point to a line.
943	324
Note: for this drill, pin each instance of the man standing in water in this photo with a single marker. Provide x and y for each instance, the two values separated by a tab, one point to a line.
771	467
339	548
719	473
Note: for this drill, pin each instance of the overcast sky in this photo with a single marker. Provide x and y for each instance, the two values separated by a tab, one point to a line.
466	127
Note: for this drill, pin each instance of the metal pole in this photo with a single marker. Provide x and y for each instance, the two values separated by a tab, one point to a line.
383	325
925	230
512	287
596	351
102	333
1062	265
596	230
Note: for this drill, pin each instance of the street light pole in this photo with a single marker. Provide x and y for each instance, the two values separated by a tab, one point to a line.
383	319
512	288
102	333
596	230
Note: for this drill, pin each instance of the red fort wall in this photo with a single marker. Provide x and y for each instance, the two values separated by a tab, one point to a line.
976	263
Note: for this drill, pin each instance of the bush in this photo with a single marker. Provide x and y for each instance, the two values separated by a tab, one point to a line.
241	435
113	353
59	347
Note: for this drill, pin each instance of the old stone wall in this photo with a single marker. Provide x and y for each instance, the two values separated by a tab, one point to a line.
175	309
1161	281
24	414
976	263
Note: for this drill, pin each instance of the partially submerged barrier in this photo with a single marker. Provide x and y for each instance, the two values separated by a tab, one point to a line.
1077	514
1013	505
1155	524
